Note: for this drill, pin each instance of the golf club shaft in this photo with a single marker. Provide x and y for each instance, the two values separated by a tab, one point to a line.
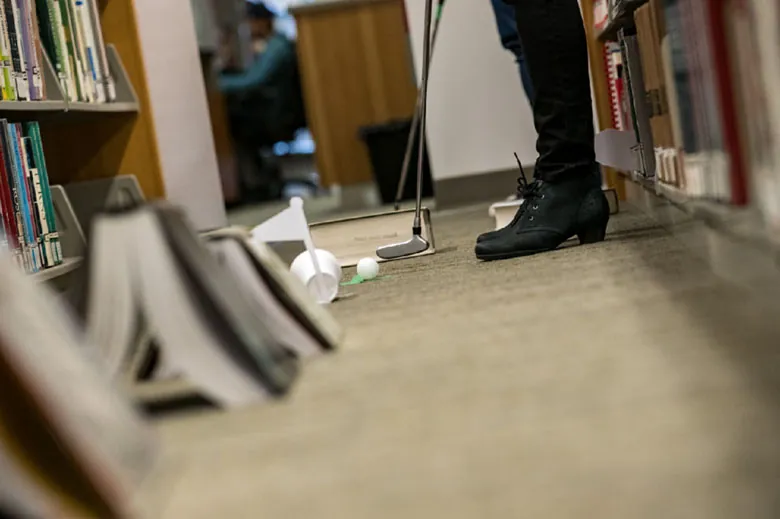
417	227
416	118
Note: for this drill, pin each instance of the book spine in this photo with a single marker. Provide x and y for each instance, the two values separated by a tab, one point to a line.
4	245
37	44
102	58
90	49
34	131
6	67
70	47
723	72
680	74
31	197
17	56
610	64
9	215
25	258
33	221
32	67
63	61
20	209
36	191
77	32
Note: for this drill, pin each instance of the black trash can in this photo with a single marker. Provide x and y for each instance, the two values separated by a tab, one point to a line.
386	146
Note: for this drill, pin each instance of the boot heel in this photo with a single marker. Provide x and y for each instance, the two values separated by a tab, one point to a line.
593	233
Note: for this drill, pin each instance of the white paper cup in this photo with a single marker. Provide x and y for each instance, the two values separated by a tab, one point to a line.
326	288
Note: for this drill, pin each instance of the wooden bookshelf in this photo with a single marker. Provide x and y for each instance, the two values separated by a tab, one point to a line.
89	141
600	90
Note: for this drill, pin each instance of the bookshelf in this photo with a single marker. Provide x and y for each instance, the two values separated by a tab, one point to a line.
85	141
90	141
57	105
713	181
600	89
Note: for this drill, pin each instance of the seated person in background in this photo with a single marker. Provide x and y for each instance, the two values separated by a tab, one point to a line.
265	104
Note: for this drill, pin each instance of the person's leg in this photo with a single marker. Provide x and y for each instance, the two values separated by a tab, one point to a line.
566	198
510	40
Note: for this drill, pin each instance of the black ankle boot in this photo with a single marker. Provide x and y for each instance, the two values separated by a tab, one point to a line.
551	214
522	187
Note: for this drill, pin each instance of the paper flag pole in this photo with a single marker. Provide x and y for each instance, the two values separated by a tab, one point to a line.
291	225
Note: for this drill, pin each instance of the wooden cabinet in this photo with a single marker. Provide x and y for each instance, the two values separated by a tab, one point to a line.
356	71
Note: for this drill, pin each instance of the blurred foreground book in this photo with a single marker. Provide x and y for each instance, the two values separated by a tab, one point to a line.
70	444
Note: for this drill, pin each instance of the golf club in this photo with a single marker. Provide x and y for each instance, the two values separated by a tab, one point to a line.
416	118
416	244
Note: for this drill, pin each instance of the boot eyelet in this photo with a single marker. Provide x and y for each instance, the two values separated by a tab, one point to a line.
531	219
535	207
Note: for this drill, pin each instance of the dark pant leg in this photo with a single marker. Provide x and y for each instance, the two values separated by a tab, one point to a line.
510	40
556	53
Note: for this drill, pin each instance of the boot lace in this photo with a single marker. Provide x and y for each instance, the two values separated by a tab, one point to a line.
529	192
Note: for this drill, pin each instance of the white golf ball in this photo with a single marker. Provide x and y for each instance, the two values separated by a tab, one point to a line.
367	268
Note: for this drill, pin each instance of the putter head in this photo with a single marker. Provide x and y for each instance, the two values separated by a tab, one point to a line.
415	245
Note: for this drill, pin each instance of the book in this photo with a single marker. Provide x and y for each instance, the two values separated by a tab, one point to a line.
71	445
29	210
33	130
103	69
14	205
146	266
32	196
32	66
85	39
10	230
62	49
19	183
19	73
71	47
289	311
48	255
38	46
6	66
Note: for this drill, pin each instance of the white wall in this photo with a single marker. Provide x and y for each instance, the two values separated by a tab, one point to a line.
180	110
478	114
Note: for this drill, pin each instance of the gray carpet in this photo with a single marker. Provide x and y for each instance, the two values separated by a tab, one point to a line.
618	380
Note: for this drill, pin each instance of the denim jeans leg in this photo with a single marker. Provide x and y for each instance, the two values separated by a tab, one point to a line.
510	40
556	53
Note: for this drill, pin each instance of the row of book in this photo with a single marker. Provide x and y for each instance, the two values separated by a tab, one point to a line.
65	32
154	303
29	227
694	79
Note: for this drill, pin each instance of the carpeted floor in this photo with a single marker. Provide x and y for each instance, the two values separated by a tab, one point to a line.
619	380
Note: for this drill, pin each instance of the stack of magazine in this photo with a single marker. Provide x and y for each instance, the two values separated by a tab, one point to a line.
216	311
